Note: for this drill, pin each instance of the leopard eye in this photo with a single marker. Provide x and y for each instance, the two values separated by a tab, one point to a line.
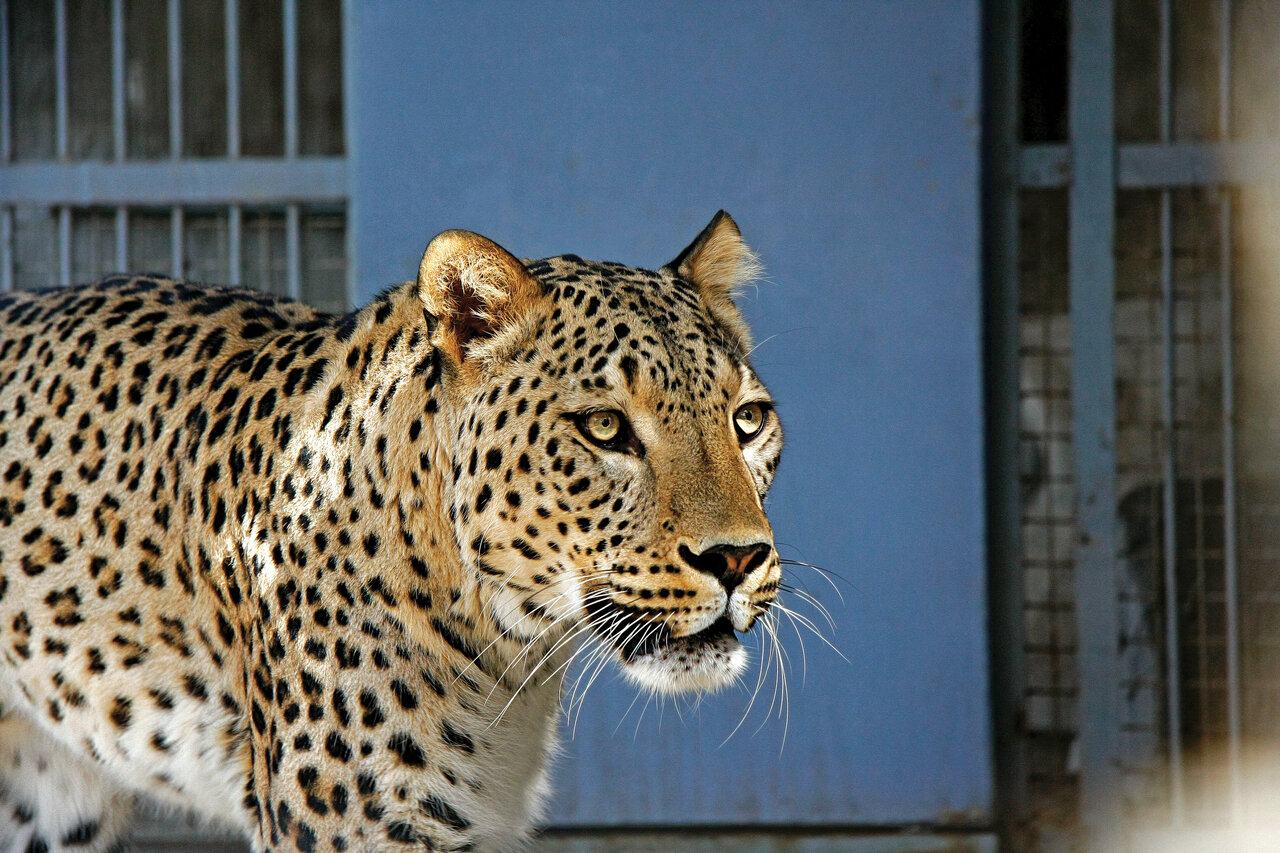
602	427
608	428
749	420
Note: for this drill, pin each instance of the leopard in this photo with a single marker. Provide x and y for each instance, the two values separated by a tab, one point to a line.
318	578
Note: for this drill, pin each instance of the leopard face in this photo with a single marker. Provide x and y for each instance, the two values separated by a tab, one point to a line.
612	451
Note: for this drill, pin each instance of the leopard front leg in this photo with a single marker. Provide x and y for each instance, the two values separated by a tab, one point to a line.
52	800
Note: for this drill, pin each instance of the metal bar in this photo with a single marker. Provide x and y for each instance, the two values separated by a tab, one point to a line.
1169	508
122	238
1173	668
60	76
250	181
290	78
1189	164
293	251
1231	547
232	21
1006	592
1091	243
175	78
177	250
6	83
6	247
64	246
1199	839
350	120
235	233
1165	82
1231	555
1224	71
1156	165
117	80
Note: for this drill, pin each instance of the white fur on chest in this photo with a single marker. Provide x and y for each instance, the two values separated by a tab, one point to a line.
515	768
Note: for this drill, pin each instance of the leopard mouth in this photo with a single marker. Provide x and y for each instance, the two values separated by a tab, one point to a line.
638	641
702	662
661	643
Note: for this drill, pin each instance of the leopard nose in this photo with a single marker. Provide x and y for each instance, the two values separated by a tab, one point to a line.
729	563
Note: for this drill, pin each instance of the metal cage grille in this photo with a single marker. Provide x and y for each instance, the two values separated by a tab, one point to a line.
201	139
1145	134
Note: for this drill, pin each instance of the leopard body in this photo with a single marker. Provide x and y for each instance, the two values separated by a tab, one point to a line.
318	578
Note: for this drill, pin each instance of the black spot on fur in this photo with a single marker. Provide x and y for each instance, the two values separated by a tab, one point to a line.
122	712
404	746
83	833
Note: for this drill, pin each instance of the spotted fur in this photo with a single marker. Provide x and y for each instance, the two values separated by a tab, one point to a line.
318	578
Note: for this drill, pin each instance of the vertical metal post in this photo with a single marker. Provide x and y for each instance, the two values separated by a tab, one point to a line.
1231	555
293	250
6	85
235	232
60	76
176	247
1091	243
122	238
117	80
64	246
232	22
290	78
175	78
6	246
1173	668
1004	499
62	133
1231	585
293	254
350	120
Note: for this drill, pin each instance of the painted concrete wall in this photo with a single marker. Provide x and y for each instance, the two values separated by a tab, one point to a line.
843	137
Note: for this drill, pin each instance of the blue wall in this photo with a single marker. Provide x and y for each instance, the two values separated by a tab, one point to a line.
844	140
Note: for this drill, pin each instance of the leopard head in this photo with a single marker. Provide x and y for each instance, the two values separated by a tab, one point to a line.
611	449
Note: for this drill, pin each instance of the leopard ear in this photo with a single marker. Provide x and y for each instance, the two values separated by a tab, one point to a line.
718	263
475	289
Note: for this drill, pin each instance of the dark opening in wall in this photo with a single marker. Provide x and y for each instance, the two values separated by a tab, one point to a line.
1043	68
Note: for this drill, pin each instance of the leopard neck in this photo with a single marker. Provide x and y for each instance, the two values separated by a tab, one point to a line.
388	411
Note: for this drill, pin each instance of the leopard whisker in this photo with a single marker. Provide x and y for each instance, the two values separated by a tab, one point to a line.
626	713
650	698
599	650
533	671
568	637
804	653
584	627
760	344
594	665
755	692
604	654
813	602
531	645
638	632
506	632
826	574
782	685
800	618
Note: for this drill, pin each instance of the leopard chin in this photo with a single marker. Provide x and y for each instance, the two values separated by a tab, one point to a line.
703	662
